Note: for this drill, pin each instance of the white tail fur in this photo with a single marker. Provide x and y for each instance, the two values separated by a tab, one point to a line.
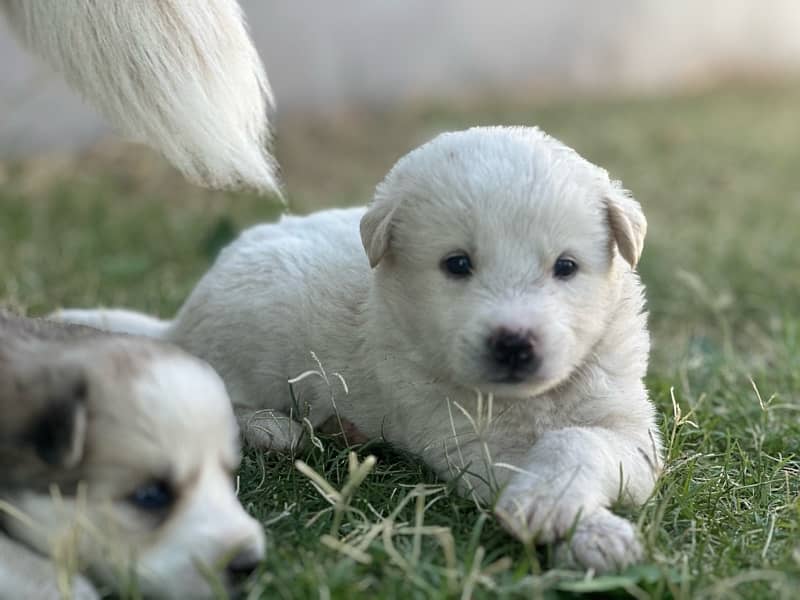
115	320
180	75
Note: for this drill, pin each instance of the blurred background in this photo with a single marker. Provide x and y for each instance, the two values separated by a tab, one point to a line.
324	58
330	63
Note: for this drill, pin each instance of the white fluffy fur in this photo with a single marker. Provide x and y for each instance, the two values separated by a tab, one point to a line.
562	445
180	75
157	415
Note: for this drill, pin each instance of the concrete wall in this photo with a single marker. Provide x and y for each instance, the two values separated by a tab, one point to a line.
324	56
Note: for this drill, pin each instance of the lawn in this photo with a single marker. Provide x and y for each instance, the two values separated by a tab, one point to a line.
719	178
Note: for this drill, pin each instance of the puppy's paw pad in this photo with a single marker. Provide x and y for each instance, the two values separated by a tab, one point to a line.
603	542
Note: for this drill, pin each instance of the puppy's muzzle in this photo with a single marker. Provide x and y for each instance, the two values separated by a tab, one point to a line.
514	352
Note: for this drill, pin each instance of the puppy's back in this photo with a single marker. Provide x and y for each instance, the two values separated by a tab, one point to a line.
16	330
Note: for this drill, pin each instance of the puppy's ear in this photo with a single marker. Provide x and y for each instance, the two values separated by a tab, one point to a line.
56	396
628	225
59	436
376	230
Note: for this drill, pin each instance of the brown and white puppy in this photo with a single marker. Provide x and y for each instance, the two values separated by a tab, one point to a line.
149	432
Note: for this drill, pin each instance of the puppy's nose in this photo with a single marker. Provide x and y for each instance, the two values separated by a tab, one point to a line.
244	563
514	349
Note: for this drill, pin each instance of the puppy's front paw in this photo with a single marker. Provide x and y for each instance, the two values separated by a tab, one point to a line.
540	514
271	430
603	542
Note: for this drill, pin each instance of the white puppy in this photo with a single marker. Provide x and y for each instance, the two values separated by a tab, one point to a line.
181	76
156	496
495	327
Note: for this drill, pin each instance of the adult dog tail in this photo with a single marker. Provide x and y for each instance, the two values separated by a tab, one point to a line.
179	75
115	320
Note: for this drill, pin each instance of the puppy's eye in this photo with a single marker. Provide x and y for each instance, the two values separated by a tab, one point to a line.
458	265
564	268
153	496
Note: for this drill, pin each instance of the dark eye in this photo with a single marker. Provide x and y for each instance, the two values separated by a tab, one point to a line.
155	495
564	268
458	265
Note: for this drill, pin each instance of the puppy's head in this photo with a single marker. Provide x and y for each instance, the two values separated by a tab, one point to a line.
500	254
159	465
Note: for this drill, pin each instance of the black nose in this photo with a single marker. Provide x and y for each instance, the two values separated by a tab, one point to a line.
513	349
243	564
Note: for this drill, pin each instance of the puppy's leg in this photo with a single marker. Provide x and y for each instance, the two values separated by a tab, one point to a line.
116	320
181	76
25	574
268	429
567	481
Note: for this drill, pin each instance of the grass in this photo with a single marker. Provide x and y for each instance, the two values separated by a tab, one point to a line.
719	180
